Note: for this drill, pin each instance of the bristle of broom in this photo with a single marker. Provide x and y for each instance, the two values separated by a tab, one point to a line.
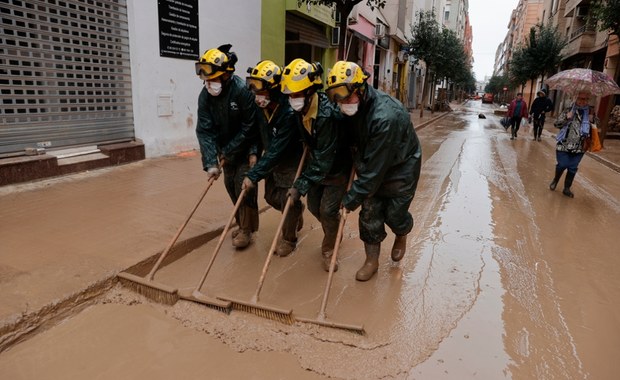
210	302
152	292
342	326
285	317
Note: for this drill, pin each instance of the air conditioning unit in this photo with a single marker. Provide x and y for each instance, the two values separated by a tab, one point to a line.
352	19
379	30
581	11
335	36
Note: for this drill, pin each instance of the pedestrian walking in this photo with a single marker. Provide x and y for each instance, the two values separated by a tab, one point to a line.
325	176
539	107
282	145
517	110
573	140
387	158
227	133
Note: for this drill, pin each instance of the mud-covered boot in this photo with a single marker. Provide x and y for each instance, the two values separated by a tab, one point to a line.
371	265
300	220
327	261
556	179
327	249
243	239
568	182
285	247
399	248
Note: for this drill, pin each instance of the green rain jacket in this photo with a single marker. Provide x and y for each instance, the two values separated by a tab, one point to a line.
330	155
280	138
388	152
227	124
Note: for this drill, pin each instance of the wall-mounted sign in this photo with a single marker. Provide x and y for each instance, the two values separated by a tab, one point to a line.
178	29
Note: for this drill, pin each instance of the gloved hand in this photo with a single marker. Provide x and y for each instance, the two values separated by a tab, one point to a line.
213	172
252	160
247	184
222	160
294	194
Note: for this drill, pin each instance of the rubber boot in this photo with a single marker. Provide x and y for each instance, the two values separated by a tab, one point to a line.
285	247
399	248
556	179
568	182
327	249
371	265
243	239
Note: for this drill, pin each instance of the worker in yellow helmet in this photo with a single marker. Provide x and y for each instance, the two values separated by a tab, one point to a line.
227	133
387	160
325	175
282	149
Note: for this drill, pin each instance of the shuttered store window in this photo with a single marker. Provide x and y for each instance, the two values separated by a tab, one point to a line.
64	73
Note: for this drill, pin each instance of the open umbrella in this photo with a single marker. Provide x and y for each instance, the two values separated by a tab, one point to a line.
574	81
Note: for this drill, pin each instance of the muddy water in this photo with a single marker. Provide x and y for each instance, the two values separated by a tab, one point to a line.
503	279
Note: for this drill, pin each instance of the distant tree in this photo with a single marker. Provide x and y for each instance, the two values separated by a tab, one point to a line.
423	44
344	7
496	84
544	48
606	14
519	68
452	64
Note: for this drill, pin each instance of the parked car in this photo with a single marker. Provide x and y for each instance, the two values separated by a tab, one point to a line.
487	98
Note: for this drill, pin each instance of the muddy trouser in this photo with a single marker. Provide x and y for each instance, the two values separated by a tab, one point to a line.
324	203
247	216
515	123
378	211
277	185
539	122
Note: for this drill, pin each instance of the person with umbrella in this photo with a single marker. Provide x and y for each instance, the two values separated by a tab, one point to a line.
576	121
573	140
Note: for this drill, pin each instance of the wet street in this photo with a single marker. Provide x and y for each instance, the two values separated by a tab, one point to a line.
503	279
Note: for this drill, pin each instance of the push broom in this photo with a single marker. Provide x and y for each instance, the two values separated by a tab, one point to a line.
253	305
196	295
322	318
146	285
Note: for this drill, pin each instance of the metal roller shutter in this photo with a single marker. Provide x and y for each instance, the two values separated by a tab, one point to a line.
64	73
305	31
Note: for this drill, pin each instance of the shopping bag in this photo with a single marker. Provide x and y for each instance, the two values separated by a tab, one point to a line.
524	124
595	145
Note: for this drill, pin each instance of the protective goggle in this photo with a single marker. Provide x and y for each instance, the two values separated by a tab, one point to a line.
339	93
207	68
255	84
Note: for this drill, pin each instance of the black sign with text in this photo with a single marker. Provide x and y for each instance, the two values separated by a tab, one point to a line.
178	29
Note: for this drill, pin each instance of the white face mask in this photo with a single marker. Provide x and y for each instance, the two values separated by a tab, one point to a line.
214	88
262	101
349	109
297	103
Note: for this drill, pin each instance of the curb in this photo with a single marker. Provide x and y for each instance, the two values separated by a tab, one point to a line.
430	121
604	161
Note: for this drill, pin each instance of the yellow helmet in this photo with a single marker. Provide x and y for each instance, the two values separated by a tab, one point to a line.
300	75
343	79
215	62
265	75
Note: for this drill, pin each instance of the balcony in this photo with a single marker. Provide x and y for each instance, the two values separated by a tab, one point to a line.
582	40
